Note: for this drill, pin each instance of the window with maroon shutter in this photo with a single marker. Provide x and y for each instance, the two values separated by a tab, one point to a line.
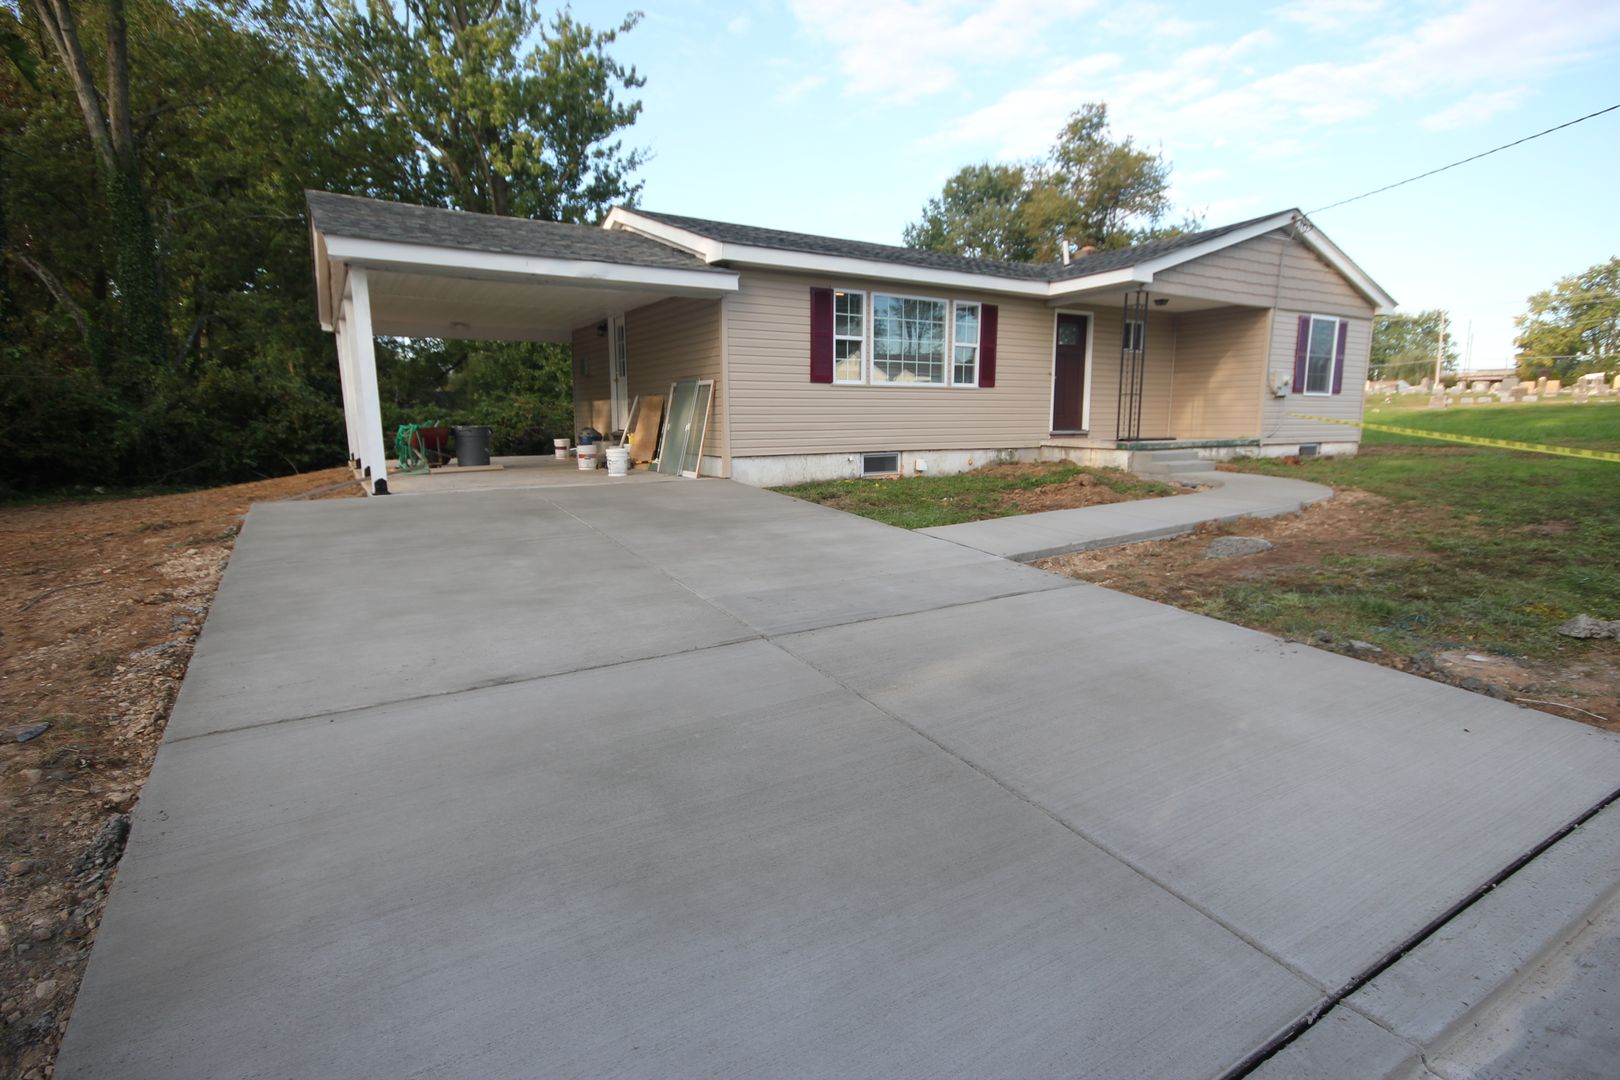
989	318
1338	357
821	335
1301	342
1319	355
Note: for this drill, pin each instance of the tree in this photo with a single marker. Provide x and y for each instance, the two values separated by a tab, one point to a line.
1091	190
1574	327
248	383
980	213
511	115
1403	345
109	122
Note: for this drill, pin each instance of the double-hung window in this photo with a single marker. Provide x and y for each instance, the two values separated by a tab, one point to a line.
909	336
965	343
1132	341
849	336
1319	354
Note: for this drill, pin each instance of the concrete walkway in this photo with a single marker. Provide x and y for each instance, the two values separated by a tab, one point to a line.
1229	496
691	779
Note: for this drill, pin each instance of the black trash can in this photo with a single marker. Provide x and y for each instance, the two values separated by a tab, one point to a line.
472	445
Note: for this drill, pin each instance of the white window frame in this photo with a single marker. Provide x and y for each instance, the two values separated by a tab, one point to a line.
1333	353
1133	335
863	339
868	341
950	333
977	346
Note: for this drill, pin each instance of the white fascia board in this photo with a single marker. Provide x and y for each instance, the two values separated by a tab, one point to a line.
620	219
1063	291
1219	243
323	279
1318	242
841	266
838	266
422	258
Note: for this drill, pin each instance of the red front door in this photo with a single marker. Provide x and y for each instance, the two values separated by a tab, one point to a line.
1069	374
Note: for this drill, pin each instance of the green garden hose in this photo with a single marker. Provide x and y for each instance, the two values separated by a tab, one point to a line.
411	450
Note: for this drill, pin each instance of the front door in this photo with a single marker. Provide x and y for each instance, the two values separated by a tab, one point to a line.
1069	374
619	370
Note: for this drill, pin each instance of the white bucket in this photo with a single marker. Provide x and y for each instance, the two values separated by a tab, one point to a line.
618	461
561	446
587	457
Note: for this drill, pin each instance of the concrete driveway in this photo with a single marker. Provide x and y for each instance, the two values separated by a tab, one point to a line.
691	779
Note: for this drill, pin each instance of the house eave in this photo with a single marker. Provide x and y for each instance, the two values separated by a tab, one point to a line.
384	254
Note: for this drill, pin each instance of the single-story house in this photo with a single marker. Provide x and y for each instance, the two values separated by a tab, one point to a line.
819	358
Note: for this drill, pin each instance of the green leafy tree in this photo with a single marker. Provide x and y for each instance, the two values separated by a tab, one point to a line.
511	114
1091	190
1573	327
980	213
248	383
1404	345
108	115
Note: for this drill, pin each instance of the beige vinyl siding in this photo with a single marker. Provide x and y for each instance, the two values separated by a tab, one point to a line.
1108	333
1220	366
672	339
1268	270
776	409
1278	425
1278	270
590	380
678	339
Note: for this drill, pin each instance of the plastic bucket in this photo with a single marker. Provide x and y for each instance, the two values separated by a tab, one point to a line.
561	446
618	461
472	445
587	457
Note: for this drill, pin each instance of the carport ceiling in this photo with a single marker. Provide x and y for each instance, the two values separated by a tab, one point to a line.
472	308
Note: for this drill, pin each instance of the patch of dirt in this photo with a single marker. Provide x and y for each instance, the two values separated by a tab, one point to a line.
1164	569
102	603
1083	490
1175	572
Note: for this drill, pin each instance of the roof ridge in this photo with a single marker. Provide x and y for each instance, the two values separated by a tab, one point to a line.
816	243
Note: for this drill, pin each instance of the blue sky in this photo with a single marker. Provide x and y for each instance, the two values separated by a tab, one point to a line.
843	116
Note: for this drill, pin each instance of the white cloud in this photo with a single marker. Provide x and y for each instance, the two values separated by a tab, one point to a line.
1475	109
739	24
1225	94
1328	14
907	49
799	88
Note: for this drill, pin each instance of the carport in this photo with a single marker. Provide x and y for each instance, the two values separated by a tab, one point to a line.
397	270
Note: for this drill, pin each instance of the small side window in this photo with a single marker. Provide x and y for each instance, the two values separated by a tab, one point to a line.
1131	340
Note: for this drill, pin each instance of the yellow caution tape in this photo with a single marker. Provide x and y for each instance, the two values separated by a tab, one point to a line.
1472	440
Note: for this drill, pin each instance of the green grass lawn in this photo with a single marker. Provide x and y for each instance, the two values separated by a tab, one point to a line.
1488	549
923	502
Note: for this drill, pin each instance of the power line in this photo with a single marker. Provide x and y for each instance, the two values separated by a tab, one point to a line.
1464	161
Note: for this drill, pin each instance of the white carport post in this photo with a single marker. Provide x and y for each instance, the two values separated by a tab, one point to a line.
346	383
363	372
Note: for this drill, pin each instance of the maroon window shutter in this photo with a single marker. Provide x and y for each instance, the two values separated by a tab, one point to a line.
989	316
1338	357
821	335
1301	344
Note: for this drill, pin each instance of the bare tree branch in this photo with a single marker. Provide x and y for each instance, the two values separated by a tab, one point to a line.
57	18
57	290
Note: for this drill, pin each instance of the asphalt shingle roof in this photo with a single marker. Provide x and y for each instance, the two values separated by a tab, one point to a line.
1082	266
375	219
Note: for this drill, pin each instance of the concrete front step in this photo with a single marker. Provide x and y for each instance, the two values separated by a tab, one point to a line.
1160	463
